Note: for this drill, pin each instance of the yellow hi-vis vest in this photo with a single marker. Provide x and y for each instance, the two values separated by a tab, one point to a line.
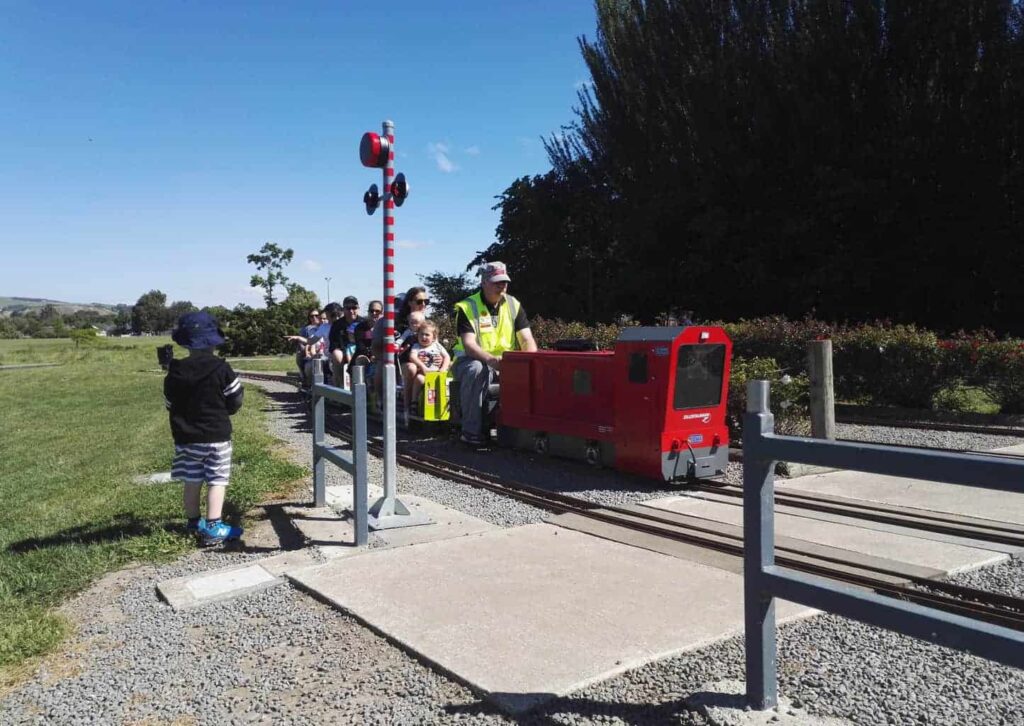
495	339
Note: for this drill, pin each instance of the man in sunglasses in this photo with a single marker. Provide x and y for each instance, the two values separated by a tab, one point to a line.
487	323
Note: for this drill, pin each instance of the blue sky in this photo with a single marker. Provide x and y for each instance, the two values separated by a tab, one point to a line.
156	144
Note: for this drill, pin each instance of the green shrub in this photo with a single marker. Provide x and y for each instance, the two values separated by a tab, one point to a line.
548	332
789	399
775	337
1000	368
899	365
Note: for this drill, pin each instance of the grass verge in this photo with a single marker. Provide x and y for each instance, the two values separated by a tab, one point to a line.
71	440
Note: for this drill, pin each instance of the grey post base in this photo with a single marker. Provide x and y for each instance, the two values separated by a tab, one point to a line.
390	513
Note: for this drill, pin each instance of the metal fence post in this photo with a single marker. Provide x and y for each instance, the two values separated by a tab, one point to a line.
758	551
359	454
823	397
319	481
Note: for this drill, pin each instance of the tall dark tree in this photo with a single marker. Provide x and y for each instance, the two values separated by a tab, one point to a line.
850	158
149	314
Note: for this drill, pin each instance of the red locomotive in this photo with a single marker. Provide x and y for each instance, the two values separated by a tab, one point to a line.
653	406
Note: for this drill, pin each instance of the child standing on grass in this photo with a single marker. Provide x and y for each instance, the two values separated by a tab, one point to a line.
202	393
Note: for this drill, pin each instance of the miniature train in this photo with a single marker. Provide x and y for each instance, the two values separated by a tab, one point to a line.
655	405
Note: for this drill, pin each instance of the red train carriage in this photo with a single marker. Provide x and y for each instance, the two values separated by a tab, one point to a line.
655	406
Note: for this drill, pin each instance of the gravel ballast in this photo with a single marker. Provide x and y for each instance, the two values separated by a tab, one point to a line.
277	656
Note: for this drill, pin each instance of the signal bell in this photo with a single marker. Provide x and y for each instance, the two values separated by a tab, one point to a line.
371	199
373	150
399	190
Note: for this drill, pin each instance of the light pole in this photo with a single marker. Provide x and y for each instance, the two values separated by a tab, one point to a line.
328	290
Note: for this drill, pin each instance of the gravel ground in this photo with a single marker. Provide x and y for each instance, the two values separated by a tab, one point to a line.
956	440
277	656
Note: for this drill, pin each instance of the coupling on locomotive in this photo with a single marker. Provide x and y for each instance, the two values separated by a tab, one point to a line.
654	405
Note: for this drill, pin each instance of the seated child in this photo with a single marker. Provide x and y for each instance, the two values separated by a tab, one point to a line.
426	354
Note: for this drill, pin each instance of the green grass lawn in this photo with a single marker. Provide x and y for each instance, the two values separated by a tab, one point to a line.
280	364
71	440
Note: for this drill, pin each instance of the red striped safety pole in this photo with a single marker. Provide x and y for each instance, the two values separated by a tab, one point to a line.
379	152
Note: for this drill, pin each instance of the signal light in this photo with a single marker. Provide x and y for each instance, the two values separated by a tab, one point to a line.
373	150
399	190
371	199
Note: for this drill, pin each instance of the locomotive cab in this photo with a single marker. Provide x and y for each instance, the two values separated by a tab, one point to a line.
670	405
654	406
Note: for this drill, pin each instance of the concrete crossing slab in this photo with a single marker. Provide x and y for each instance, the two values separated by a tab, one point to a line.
905	547
938	497
526	614
197	590
332	529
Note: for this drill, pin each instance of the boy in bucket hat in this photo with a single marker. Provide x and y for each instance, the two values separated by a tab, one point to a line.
202	393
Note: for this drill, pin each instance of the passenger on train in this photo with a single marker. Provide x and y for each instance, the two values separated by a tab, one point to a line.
425	355
487	323
305	333
364	339
333	355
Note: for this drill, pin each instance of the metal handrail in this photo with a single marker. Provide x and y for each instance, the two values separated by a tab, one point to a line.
355	461
763	580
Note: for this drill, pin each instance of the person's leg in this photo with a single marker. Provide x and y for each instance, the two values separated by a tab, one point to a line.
416	384
215	502
473	377
408	376
217	466
191	495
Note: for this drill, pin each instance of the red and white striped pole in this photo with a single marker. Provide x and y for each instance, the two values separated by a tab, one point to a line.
379	151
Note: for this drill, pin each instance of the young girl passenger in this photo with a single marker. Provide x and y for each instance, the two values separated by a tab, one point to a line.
425	355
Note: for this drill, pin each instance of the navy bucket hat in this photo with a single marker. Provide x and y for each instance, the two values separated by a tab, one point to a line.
197	330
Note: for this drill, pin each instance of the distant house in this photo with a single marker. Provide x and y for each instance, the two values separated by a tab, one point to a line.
101	332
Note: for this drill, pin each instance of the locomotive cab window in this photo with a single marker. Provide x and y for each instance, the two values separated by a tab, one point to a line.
638	368
699	376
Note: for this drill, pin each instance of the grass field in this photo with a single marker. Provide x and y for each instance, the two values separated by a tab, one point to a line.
71	440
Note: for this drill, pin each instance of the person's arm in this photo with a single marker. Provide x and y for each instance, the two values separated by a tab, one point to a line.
474	351
446	360
526	341
421	367
296	339
168	393
233	391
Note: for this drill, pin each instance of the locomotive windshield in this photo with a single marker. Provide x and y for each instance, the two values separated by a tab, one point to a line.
699	376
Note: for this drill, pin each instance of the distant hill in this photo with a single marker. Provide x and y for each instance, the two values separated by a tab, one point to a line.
12	305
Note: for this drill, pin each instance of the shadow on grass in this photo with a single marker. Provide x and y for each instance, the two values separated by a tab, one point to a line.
123	526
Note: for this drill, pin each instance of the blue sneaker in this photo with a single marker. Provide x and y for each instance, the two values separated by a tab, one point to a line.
194	528
217	532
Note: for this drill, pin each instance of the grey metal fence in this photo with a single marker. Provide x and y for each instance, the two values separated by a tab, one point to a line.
354	461
763	580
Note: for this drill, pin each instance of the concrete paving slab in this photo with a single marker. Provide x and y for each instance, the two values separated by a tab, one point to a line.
876	526
526	614
161	477
332	530
196	590
953	498
948	558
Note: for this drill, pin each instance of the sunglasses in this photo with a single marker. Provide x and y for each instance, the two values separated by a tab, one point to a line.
375	311
422	301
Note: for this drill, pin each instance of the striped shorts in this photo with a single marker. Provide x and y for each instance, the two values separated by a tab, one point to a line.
196	463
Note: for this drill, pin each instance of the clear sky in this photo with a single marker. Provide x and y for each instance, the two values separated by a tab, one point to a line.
155	144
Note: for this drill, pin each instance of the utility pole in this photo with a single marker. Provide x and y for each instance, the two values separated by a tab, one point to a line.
328	290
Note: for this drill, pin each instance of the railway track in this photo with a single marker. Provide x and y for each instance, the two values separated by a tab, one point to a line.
990	607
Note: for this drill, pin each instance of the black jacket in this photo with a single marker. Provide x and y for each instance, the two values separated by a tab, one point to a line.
201	392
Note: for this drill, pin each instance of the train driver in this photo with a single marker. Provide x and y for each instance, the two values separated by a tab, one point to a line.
487	323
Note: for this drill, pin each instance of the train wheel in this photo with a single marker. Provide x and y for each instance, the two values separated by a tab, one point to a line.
540	444
592	454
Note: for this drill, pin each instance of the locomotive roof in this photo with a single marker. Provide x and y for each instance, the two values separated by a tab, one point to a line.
654	334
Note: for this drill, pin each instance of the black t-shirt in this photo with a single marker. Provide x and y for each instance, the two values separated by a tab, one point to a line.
336	339
464	325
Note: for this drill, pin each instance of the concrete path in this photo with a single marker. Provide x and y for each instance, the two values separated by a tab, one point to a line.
952	498
903	547
525	614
